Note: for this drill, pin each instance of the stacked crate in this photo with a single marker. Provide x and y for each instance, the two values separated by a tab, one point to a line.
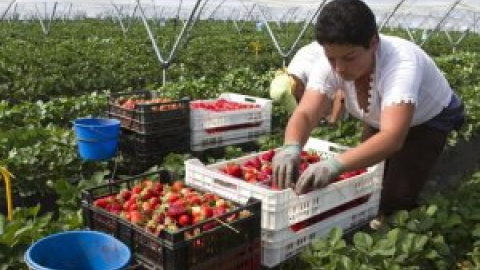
232	246
289	221
152	126
228	120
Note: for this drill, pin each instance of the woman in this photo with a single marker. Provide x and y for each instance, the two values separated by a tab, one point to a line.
391	85
288	87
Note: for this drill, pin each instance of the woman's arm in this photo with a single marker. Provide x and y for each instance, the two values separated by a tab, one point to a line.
338	107
306	117
394	125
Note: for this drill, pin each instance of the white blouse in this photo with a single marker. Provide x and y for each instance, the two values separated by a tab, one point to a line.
303	61
404	73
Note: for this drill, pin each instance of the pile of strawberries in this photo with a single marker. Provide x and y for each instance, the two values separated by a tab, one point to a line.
221	105
156	207
130	103
259	169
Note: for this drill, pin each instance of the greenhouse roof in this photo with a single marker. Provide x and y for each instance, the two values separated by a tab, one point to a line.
459	15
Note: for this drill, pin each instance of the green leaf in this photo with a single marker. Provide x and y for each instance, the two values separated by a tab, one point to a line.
384	247
453	220
476	231
419	243
346	263
363	241
3	221
431	210
401	218
335	236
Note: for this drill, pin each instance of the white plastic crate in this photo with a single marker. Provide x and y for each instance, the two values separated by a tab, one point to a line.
203	119
215	144
289	243
210	140
282	208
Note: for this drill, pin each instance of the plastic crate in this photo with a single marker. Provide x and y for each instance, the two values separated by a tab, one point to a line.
151	128
287	243
218	144
282	208
175	139
148	113
172	251
204	119
245	257
201	138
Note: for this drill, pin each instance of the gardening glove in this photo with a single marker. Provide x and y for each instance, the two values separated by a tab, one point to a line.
281	90
318	175
286	165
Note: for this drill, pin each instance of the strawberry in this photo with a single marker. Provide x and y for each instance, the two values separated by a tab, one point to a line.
184	220
218	211
176	210
207	211
136	217
177	186
158	188
147	208
267	156
101	202
137	189
312	158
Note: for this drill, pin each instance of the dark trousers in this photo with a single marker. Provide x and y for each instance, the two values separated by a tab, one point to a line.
407	171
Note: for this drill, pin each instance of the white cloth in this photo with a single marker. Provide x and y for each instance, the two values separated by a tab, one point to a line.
303	61
404	73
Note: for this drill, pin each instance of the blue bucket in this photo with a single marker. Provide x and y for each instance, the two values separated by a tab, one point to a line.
97	138
79	250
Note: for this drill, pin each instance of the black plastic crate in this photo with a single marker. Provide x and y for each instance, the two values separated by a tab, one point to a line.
174	251
176	140
150	128
149	113
245	257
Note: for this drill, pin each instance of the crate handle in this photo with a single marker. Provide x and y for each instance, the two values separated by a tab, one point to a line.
249	99
337	148
225	184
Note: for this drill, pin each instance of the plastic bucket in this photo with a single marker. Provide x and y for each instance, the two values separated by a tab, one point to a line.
97	138
79	250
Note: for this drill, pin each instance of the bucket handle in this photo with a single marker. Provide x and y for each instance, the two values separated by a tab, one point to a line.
6	177
105	138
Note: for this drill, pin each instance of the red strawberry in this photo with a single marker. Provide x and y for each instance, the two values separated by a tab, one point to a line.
267	156
177	186
102	202
233	169
136	217
184	220
176	210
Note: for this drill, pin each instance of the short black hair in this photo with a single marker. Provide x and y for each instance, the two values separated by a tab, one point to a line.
346	22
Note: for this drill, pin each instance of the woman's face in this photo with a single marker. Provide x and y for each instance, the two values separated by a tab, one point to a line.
351	62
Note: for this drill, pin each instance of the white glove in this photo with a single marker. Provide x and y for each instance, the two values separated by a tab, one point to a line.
286	165
318	175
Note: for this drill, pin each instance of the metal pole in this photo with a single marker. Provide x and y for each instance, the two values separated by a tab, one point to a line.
274	39
165	63
439	24
216	9
391	14
7	9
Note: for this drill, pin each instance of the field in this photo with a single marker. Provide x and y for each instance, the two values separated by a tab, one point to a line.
47	81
